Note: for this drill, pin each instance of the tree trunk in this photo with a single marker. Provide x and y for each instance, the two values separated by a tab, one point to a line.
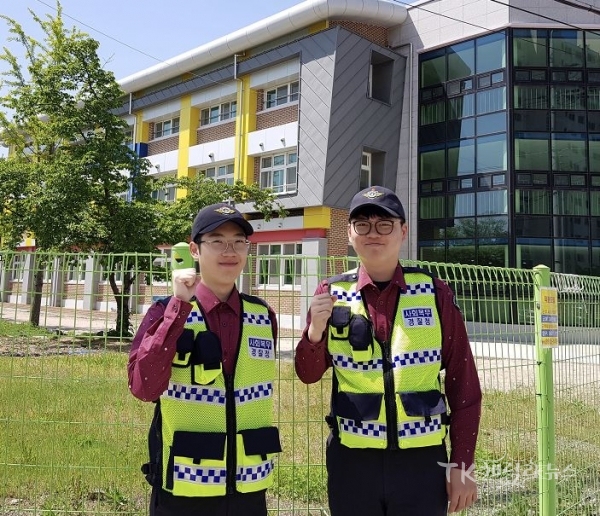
123	322
36	300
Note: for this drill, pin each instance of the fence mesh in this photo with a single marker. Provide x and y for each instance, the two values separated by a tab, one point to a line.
72	437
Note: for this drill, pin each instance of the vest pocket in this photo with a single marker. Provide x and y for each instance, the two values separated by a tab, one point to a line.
339	323
358	407
360	423
197	464
421	418
256	449
423	404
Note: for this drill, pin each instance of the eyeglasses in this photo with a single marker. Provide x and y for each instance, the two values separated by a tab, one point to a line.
383	227
221	246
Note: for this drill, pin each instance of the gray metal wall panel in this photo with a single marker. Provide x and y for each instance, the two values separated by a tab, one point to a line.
358	121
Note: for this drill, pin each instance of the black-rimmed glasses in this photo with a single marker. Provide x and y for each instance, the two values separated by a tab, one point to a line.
221	246
383	227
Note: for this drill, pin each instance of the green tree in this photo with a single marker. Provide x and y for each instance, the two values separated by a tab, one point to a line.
69	165
68	158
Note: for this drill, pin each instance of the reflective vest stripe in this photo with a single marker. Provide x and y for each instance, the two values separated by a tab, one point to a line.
426	356
366	429
195	316
349	363
257	319
195	394
186	473
254	392
255	473
416	428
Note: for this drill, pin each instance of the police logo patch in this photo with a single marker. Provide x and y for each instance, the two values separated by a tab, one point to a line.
372	194
225	210
418	317
261	348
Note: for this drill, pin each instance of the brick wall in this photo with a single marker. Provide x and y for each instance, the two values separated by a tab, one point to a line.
256	174
260	100
337	236
281	116
373	33
74	291
211	133
163	145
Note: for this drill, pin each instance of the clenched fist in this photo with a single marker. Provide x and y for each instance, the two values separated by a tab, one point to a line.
184	283
320	312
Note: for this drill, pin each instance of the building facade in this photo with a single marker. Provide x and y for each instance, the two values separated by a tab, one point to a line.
483	115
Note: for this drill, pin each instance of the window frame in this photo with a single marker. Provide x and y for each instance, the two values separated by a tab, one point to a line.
280	100
287	187
165	133
224	178
280	261
222	115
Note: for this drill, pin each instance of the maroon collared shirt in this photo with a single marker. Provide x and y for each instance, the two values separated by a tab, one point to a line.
155	342
461	383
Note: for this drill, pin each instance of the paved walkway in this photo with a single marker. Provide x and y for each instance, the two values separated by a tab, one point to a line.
82	321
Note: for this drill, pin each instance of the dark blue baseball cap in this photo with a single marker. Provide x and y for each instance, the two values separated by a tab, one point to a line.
211	217
380	197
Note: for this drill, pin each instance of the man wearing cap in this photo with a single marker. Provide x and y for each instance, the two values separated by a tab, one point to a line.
388	331
206	357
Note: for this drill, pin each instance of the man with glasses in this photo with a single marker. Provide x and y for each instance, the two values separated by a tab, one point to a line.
388	331
206	357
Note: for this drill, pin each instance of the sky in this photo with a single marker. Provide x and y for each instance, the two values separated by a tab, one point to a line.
136	34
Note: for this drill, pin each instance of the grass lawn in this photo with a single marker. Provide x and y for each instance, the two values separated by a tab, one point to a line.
72	439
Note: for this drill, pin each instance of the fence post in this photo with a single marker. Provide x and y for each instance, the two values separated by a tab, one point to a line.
544	404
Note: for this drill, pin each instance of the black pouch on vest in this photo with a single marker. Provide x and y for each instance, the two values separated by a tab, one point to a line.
358	407
185	345
340	322
206	358
424	404
361	338
360	333
261	441
195	446
207	350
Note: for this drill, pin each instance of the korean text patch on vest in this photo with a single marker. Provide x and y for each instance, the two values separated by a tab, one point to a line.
261	348
415	317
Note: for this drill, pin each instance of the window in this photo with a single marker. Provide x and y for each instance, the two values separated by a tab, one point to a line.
283	94
278	264
76	270
220	174
128	135
166	194
218	113
365	170
279	172
380	77
166	128
17	267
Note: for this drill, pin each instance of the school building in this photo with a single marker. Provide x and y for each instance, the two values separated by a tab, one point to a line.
483	115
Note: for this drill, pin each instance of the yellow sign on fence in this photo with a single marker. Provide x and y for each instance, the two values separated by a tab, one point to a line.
549	326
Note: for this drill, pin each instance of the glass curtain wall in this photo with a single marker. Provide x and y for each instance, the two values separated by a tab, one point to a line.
540	170
463	153
556	102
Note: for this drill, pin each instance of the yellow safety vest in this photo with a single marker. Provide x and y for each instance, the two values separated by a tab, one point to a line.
387	394
217	430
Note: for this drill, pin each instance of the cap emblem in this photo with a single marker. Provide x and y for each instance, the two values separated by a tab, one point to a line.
372	194
225	210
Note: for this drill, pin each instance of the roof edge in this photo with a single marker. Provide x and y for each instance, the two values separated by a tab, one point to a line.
378	12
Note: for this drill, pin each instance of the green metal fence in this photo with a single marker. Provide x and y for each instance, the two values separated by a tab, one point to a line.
72	437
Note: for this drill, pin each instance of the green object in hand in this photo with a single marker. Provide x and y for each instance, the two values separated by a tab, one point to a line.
181	258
